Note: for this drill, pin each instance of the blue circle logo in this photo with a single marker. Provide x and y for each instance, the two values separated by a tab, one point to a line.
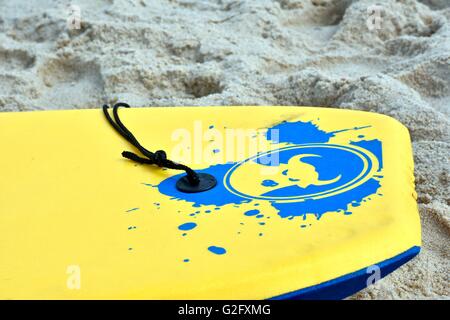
301	172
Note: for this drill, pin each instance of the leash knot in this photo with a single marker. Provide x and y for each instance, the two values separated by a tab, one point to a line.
160	158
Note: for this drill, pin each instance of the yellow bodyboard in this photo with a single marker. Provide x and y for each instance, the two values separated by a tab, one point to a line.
308	202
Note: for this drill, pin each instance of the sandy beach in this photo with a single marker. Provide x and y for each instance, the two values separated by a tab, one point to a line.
390	57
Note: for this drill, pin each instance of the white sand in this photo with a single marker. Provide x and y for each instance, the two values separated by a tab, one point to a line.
284	52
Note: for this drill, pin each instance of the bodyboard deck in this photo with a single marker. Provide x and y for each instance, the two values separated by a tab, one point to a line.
309	203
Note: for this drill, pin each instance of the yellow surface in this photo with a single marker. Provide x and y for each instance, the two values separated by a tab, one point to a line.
65	192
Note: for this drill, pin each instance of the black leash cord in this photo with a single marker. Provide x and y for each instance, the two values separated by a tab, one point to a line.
158	158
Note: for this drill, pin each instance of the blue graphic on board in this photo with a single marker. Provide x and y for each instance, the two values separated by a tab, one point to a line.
250	213
269	183
309	176
312	175
187	226
217	250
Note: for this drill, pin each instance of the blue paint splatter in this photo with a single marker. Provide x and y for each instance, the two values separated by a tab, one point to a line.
330	204
217	196
150	185
216	150
250	213
269	183
372	145
298	133
349	129
186	260
346	165
217	250
187	226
